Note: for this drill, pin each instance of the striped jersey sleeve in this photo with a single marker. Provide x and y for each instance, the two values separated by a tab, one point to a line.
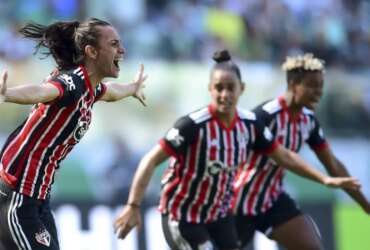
179	137
69	92
316	139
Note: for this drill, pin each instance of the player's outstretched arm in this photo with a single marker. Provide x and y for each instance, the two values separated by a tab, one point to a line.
292	161
130	215
28	94
118	91
336	168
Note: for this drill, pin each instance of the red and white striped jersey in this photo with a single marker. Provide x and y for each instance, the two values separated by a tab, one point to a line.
258	184
32	153
197	186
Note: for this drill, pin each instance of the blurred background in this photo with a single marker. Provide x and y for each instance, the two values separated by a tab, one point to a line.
175	41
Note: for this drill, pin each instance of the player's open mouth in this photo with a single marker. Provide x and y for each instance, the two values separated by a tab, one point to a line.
116	63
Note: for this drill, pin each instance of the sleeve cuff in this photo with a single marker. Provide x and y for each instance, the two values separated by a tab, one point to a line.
271	149
58	86
321	146
167	148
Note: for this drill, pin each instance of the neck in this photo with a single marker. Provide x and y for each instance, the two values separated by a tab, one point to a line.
293	107
226	119
93	74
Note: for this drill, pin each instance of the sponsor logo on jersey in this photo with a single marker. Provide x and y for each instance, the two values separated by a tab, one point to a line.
173	135
68	80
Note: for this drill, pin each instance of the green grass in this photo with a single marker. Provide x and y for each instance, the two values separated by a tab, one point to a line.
352	228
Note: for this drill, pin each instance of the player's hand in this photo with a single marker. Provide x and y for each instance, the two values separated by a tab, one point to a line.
127	220
3	86
139	84
342	182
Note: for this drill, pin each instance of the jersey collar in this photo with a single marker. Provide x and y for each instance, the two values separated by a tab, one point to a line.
212	111
87	80
284	105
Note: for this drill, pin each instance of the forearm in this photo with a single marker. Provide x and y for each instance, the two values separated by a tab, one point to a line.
141	180
28	94
295	164
116	91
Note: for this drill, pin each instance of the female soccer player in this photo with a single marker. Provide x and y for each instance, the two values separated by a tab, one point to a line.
206	147
259	197
85	54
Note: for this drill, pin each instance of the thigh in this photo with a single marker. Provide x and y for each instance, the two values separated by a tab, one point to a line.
283	210
304	232
245	228
223	233
48	221
185	236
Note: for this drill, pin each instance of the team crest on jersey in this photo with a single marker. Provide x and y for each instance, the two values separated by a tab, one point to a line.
43	237
81	130
173	135
84	121
215	167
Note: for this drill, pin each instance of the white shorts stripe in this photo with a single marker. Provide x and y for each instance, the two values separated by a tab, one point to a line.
15	228
20	230
180	241
10	224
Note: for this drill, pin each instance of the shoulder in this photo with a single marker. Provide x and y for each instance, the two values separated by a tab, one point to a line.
193	120
71	78
245	114
200	115
270	107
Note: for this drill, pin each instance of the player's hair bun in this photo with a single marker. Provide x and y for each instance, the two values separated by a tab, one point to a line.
221	56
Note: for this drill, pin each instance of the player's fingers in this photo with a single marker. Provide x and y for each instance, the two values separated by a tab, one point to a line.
142	102
123	231
144	78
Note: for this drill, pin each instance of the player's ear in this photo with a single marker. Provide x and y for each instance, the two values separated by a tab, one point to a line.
91	52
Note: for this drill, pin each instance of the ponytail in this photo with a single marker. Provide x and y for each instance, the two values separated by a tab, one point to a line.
57	38
65	41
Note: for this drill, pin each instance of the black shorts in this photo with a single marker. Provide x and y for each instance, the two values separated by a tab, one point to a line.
283	209
219	235
26	223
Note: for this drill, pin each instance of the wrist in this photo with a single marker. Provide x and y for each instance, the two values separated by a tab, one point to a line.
133	204
326	180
